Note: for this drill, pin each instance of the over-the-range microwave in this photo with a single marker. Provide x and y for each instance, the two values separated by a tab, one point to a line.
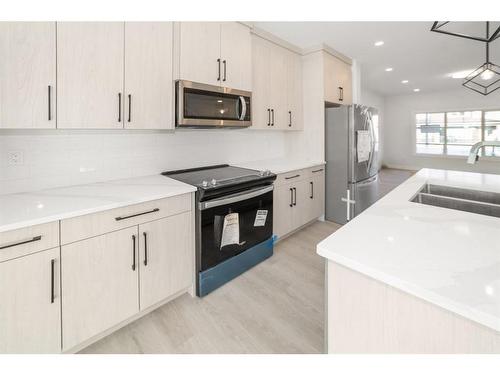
202	105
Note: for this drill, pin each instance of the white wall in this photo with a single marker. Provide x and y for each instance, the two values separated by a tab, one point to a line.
399	128
61	157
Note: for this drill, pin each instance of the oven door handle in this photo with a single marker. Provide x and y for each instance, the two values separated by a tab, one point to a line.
243	108
235	198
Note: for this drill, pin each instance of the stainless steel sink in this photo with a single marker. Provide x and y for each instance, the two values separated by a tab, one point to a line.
476	201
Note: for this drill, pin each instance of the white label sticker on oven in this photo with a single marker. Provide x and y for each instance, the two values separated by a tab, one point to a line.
230	230
260	218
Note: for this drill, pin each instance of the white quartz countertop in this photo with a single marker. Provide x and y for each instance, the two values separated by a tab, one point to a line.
282	165
447	257
38	207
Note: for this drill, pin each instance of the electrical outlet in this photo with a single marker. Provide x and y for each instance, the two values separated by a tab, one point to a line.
15	157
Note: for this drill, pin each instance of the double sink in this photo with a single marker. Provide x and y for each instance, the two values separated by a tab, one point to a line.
476	201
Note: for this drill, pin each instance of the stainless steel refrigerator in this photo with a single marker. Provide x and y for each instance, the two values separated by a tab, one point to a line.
351	146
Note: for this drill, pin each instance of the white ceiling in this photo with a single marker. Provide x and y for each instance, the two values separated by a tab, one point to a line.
422	57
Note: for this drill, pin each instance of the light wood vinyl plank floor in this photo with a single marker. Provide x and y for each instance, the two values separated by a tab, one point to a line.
276	307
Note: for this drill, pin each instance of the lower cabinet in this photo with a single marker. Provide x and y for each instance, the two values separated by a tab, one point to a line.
100	284
30	304
165	259
299	197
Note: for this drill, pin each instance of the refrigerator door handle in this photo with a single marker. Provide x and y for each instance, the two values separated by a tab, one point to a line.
348	201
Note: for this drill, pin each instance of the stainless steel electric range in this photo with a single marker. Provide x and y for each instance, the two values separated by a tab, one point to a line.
234	221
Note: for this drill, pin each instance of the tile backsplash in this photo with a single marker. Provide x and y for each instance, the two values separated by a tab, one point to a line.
61	158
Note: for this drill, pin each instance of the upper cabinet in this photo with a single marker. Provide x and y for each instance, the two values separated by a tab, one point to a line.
90	68
277	86
216	53
338	80
113	75
27	74
148	75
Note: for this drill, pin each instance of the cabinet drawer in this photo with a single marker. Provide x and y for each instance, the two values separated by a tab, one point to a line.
290	177
20	242
86	226
316	171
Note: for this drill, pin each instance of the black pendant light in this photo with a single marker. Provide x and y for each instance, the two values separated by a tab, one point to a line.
486	78
446	27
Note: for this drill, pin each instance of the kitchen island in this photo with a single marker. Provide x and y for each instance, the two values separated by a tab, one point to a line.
406	277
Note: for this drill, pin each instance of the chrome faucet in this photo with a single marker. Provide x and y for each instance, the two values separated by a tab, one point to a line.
474	151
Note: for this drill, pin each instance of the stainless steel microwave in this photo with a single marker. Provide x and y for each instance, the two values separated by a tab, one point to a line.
201	105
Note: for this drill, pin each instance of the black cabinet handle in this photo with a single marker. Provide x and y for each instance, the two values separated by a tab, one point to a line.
290	116
224	62
289	178
341	93
145	248
137	214
317	170
295	194
291	197
218	63
312	190
34	239
133	252
52	280
269	117
272	116
129	107
119	107
50	102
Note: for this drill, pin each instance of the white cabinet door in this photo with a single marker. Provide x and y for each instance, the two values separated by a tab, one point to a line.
261	81
100	284
30	304
278	87
166	258
27	74
294	92
283	198
148	75
90	74
315	197
199	59
236	55
337	80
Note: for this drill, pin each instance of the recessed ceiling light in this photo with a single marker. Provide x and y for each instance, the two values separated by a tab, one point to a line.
404	81
388	69
460	75
416	90
379	43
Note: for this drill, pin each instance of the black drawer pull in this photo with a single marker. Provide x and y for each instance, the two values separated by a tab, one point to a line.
312	190
295	194
289	178
272	116
52	281
134	215
133	252
145	248
34	239
317	170
269	117
291	197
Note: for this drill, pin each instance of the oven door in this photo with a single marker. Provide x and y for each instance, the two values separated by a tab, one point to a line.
232	224
200	105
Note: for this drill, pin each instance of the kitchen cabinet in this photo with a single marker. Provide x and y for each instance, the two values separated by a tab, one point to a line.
215	53
90	77
277	86
299	198
100	285
30	308
165	258
337	80
148	99
27	75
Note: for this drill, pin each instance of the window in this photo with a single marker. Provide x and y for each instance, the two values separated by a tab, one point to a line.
453	133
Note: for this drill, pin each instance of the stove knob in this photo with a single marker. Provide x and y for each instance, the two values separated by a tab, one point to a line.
213	182
204	183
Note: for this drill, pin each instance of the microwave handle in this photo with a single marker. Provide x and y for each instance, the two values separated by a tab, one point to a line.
243	108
